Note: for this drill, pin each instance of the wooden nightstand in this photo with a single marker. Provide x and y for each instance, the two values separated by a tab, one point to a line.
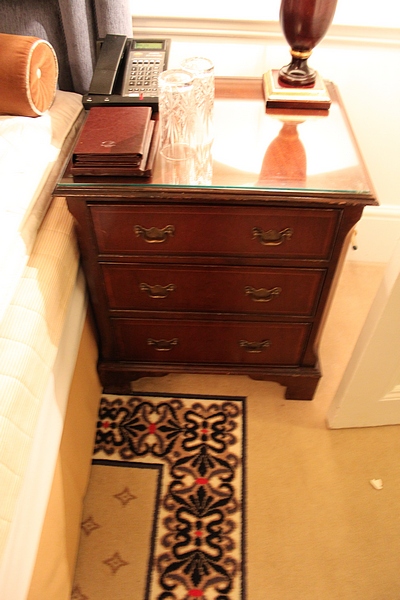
230	276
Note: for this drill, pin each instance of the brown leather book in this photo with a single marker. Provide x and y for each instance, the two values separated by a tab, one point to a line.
113	135
144	169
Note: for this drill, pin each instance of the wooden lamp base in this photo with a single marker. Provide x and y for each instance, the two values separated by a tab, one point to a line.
277	95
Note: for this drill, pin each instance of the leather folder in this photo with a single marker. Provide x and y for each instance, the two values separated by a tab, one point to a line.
109	168
116	136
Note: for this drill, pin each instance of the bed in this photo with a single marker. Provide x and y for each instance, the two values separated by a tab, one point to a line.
49	389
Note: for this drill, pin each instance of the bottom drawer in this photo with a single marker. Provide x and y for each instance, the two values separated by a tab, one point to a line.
210	342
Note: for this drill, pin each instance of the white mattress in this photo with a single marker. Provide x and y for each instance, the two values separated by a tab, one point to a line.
32	153
22	542
39	262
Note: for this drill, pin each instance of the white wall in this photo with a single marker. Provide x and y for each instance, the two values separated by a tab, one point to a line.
356	12
361	59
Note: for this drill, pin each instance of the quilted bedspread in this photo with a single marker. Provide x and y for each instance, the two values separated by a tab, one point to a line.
38	269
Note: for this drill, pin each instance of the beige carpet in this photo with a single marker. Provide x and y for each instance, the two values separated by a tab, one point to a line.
316	528
117	528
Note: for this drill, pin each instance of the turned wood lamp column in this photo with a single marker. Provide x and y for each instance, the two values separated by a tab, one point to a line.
304	24
297	85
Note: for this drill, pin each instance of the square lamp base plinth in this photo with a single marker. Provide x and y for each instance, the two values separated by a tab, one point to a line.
315	97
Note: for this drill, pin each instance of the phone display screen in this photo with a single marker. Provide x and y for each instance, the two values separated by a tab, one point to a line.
145	45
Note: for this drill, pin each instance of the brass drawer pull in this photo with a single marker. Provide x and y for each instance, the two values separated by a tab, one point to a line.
272	237
153	235
254	347
162	345
262	295
157	291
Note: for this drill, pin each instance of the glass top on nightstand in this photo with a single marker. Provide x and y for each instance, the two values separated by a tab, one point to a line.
277	151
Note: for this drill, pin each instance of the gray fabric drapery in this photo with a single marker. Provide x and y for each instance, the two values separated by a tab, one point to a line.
72	27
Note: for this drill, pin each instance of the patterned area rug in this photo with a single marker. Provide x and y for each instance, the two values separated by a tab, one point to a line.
164	512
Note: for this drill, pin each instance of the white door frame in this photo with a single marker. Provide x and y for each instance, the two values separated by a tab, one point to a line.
369	392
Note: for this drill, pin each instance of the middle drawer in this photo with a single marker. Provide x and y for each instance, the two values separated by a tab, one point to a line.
271	291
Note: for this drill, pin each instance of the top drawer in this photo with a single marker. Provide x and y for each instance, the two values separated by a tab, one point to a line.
206	231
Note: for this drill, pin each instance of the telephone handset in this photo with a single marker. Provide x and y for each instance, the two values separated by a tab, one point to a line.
127	72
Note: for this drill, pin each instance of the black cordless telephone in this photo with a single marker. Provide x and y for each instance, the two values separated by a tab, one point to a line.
127	72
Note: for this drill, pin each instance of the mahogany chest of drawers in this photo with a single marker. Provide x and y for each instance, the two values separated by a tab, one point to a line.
230	275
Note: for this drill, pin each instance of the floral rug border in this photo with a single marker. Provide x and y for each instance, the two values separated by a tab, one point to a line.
200	440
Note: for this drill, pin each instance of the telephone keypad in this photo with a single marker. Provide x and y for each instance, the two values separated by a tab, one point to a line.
143	76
